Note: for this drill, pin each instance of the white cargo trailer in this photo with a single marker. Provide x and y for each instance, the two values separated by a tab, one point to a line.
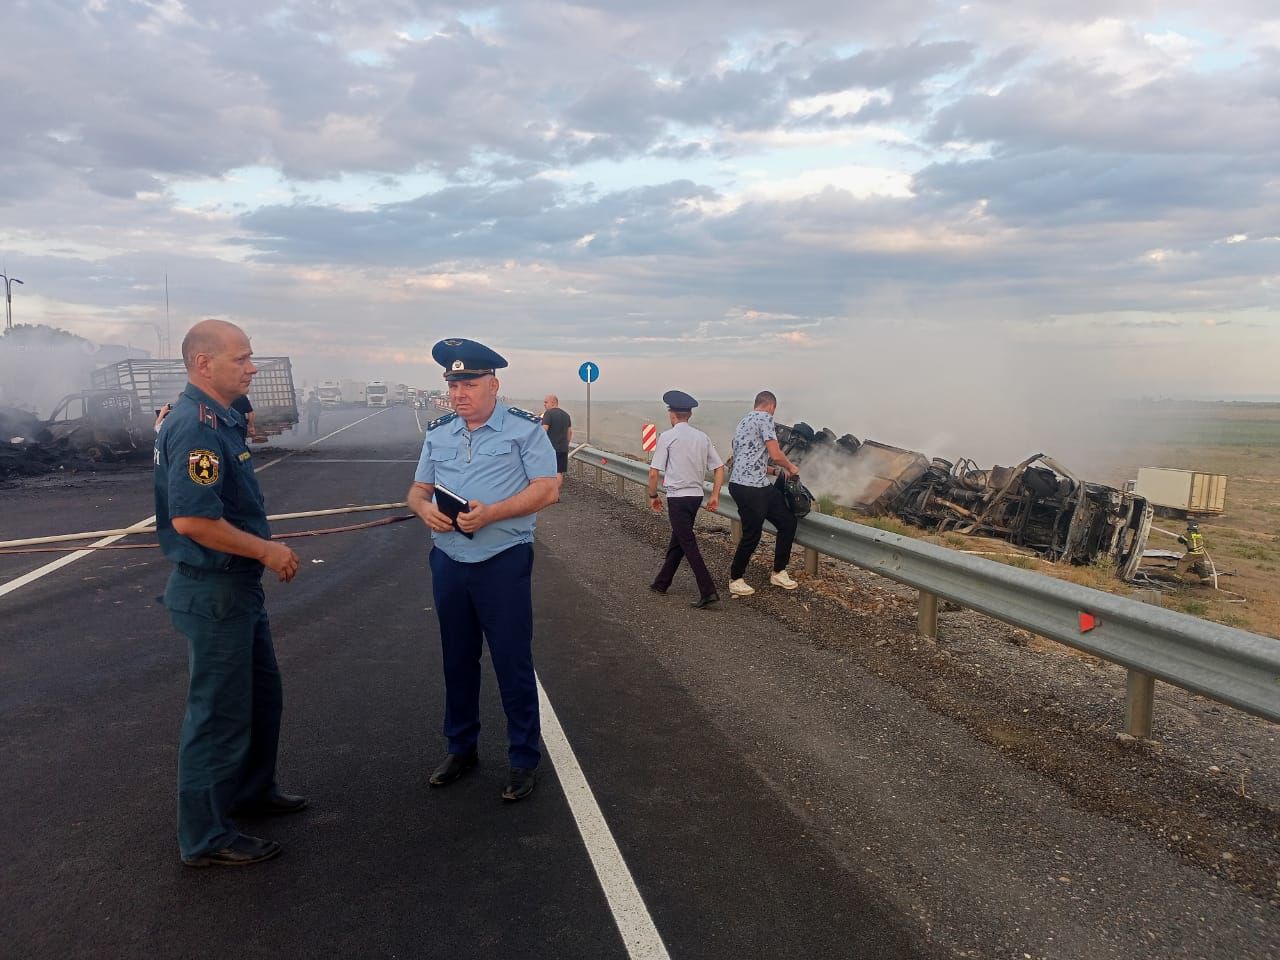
1182	492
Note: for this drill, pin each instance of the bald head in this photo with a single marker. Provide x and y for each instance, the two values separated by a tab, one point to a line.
209	337
550	400
219	360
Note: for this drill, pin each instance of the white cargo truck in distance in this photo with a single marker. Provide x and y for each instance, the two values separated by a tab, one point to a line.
353	391
375	393
329	392
1182	493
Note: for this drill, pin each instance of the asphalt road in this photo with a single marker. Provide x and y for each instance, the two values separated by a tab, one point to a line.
92	683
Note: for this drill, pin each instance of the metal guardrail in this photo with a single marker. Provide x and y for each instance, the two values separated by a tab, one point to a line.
1225	664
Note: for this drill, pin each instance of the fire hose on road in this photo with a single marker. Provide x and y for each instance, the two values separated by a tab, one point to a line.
43	544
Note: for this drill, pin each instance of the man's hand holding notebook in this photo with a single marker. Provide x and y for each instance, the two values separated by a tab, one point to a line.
451	504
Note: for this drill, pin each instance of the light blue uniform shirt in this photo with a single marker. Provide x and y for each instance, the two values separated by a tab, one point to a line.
490	463
684	455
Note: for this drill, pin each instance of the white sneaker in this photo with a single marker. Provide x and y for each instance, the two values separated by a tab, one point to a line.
740	588
783	579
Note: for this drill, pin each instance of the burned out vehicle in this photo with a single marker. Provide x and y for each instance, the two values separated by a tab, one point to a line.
102	425
1038	504
157	382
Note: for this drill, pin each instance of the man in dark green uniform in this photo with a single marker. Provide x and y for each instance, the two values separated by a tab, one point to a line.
212	523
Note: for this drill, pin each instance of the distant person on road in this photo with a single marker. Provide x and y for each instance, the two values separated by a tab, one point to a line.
559	426
684	454
313	414
755	446
499	461
212	522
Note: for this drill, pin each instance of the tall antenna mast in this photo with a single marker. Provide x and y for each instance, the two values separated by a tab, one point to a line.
168	334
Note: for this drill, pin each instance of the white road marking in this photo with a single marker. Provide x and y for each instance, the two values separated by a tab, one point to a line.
61	562
639	935
418	421
327	460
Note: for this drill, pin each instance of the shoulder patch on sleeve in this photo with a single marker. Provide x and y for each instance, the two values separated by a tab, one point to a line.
202	467
441	421
525	414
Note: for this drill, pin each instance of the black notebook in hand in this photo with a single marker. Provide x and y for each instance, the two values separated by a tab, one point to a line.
450	504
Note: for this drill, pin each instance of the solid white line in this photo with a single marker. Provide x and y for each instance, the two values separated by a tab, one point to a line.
418	421
639	935
328	460
61	562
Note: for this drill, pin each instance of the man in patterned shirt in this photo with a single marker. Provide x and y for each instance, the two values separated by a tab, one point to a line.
755	444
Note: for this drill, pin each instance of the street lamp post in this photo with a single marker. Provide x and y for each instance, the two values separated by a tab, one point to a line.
8	298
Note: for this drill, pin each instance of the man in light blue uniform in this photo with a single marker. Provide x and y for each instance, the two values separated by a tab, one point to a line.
499	460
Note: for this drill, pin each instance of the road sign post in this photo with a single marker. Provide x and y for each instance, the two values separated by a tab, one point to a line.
589	372
649	440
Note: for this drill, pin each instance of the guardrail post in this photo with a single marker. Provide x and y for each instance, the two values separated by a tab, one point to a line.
622	485
927	623
735	532
811	561
1139	704
599	474
1140	688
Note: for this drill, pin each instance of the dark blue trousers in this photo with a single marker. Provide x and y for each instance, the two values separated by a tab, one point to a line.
488	601
231	730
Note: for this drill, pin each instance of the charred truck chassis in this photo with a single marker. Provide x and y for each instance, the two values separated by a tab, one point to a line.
1039	504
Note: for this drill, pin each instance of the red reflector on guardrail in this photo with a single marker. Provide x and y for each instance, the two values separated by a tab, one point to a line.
1088	622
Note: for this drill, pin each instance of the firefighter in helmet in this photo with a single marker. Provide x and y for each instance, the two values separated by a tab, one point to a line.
1195	558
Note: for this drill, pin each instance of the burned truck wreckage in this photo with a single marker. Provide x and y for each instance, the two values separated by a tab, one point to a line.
1039	504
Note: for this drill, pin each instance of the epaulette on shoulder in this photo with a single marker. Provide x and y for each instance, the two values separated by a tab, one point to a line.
525	414
208	417
441	421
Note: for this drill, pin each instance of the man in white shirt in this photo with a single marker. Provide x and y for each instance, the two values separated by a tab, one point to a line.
684	454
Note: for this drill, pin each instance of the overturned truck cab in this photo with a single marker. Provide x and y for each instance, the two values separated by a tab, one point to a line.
1038	504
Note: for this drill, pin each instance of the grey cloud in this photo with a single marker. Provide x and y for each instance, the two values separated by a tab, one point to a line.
900	67
1067	105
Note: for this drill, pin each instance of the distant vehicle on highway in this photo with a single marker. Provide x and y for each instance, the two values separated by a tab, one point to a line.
375	393
353	391
329	392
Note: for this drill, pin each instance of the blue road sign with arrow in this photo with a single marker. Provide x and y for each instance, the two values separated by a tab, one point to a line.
589	372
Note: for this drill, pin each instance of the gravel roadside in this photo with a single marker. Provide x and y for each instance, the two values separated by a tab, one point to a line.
980	777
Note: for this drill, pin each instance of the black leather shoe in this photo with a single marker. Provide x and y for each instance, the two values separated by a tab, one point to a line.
519	783
240	852
454	766
657	589
706	601
277	805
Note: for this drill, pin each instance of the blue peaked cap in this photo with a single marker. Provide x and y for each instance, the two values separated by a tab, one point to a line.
466	359
679	401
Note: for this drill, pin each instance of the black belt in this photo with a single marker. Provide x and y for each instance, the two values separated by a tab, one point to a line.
239	566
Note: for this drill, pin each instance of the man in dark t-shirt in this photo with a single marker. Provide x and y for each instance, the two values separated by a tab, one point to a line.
559	429
242	404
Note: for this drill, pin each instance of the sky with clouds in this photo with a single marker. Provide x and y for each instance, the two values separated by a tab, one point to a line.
845	201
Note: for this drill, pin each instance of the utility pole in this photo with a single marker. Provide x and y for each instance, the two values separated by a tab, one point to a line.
8	299
168	331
